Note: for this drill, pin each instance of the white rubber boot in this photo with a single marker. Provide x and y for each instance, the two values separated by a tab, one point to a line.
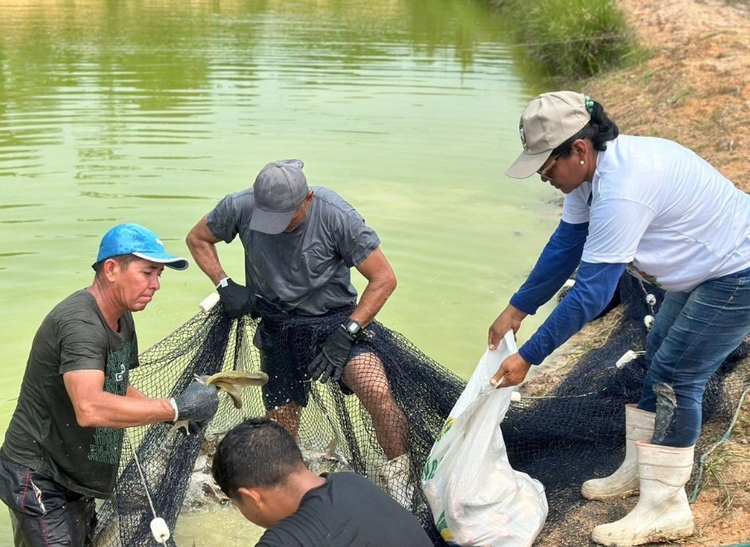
395	474
662	512
639	426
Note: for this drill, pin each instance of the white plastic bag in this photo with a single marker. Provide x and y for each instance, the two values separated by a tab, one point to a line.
476	498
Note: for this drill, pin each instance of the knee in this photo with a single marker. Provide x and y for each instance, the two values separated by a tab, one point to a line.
378	392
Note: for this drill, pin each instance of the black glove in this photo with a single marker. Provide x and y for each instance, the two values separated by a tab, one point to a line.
330	362
197	403
237	300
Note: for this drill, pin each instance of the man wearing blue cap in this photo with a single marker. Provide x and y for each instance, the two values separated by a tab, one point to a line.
300	246
62	447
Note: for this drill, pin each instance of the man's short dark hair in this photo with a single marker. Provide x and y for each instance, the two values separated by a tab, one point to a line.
256	453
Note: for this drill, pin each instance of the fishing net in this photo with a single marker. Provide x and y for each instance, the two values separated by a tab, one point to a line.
335	431
562	431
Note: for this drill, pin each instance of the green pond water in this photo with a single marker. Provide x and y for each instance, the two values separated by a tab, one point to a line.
150	112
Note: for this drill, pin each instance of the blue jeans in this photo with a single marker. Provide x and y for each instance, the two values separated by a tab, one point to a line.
692	335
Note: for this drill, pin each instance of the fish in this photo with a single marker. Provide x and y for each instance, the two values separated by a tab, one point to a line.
229	382
327	461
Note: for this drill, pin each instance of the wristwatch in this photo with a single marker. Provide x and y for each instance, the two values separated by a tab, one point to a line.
353	329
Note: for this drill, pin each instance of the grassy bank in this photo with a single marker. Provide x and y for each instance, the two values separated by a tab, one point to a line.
570	40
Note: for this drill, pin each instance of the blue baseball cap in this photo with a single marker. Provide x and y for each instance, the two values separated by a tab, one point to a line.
134	239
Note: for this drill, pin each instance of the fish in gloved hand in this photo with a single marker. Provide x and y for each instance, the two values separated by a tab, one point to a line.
197	404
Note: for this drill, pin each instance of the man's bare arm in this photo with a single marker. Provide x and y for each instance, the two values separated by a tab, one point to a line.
95	407
381	282
202	245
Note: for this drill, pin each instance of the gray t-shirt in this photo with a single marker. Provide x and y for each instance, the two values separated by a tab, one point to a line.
308	269
43	433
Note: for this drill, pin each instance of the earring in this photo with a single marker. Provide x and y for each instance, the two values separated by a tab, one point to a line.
581	162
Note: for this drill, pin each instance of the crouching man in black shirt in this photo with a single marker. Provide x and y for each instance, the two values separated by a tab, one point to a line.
259	466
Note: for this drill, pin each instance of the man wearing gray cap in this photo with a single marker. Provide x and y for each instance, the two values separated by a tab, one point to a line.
62	447
656	209
300	245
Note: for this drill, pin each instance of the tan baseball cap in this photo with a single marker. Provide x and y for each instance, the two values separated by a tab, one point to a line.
548	121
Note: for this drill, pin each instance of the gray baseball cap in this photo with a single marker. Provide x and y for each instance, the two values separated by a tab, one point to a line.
548	121
279	189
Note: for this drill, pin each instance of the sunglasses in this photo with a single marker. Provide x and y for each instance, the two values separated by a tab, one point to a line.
543	171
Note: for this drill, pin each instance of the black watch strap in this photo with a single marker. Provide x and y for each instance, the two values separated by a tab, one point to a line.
353	328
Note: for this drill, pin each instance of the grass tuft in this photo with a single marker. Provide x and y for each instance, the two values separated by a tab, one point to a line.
572	39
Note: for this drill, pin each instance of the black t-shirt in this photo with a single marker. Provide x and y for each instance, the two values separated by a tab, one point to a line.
347	511
43	433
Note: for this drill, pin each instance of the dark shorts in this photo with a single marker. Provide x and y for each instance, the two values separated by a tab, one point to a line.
286	365
43	512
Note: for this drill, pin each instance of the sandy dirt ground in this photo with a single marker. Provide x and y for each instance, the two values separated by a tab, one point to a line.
693	87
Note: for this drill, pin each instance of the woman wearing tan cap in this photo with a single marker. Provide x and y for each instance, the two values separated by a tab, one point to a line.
656	209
